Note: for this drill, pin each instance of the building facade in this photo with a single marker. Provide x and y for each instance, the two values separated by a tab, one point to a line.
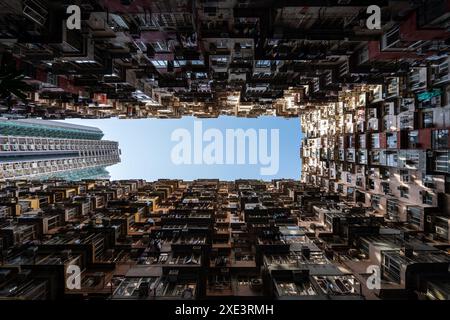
174	239
385	146
32	148
167	59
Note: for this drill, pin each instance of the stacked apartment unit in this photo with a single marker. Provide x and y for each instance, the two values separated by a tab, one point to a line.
387	146
174	239
166	59
168	239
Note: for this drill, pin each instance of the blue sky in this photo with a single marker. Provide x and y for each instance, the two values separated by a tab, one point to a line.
146	147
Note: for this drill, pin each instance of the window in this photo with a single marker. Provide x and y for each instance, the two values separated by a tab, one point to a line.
386	124
392	209
429	99
160	46
391	268
414	215
404	192
376	201
428	181
222	44
200	75
246	45
413	139
364	246
350	155
407	121
220	61
392	159
442	227
388	108
442	161
441	232
159	63
385	187
384	173
407	104
375	141
373	113
392	140
341	155
349	178
375	157
427	198
359	181
440	139
410	159
391	38
351	142
428	119
262	63
362	156
404	176
362	141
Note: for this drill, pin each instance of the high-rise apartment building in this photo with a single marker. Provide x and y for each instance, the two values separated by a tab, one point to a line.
386	147
175	239
31	148
168	59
